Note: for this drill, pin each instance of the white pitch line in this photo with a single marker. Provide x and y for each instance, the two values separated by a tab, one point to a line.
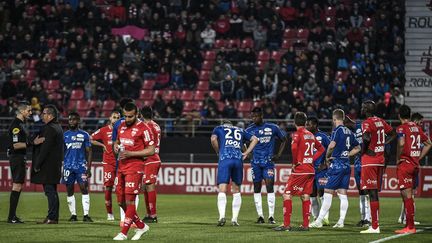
398	236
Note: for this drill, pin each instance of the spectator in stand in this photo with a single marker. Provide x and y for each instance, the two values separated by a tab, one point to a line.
217	75
270	84
236	26
151	66
249	26
208	36
227	87
229	110
177	81
311	90
190	78
288	14
381	88
90	87
260	37
193	36
339	93
274	38
222	26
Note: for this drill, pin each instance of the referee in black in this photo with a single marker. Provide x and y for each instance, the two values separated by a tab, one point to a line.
18	142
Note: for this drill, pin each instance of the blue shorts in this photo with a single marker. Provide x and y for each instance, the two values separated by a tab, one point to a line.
71	175
357	176
262	171
338	178
321	179
230	169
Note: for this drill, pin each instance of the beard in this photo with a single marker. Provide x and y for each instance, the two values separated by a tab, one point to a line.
130	123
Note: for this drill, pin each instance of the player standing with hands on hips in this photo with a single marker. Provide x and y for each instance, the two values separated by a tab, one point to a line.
227	141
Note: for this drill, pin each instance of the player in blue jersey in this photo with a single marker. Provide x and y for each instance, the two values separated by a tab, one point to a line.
262	161
365	216
343	145
320	168
227	141
77	165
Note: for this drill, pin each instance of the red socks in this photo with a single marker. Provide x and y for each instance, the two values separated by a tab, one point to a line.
374	205
306	206
152	203
108	201
409	211
287	210
130	215
147	203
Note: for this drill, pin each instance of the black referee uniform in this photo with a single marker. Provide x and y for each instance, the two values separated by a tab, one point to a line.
17	158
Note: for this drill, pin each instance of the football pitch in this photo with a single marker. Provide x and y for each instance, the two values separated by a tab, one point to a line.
193	218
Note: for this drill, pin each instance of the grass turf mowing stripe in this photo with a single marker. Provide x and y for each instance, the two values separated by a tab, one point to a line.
398	236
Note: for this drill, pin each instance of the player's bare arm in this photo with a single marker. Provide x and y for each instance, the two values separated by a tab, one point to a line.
254	142
150	150
330	149
215	143
349	123
99	144
89	161
427	146
354	151
399	149
281	149
391	137
366	142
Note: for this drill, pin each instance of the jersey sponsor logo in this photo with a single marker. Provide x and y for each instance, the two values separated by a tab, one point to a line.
408	180
307	160
323	181
16	130
373	182
379	149
379	124
415	154
308	137
233	143
127	141
74	145
264	139
130	184
298	188
270	172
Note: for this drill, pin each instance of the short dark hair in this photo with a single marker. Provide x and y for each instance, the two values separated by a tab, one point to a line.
22	106
339	114
130	107
416	116
114	112
225	121
313	120
74	113
370	106
404	112
300	118
52	110
257	110
124	101
147	112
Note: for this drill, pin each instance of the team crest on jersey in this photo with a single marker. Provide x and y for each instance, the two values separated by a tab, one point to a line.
15	131
73	138
134	131
267	131
261	132
270	172
80	135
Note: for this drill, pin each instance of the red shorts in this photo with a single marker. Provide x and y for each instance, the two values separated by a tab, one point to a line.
406	174
109	174
371	177
128	183
151	172
300	184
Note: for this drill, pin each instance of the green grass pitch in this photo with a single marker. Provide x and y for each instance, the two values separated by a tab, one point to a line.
193	218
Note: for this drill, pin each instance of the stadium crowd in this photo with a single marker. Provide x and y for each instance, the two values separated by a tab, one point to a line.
204	59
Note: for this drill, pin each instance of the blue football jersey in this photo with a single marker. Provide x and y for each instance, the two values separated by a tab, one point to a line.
75	144
231	140
345	141
266	134
325	141
359	137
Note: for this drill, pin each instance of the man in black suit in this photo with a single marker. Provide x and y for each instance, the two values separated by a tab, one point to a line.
47	161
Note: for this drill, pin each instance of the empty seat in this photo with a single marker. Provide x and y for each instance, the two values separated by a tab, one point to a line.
82	105
189	106
108	105
148	84
263	56
203	85
204	75
53	84
215	94
234	43
244	106
171	95
207	65
219	44
146	94
77	94
303	34
187	95
199	95
290	33
247	43
158	92
210	55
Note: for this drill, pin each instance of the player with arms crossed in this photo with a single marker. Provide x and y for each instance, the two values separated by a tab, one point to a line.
409	153
364	199
320	168
77	165
374	131
227	141
262	161
302	175
134	142
109	162
152	166
343	145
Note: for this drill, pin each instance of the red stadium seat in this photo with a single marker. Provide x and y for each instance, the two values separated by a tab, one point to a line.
244	106
290	34
257	104
77	94
369	22
210	56
199	95
219	44
33	63
82	113
187	95
30	74
330	11
204	75
146	94
72	105
93	104
303	34
261	65
207	65
276	55
189	106
220	105
215	94
108	105
234	42
148	84
286	44
203	85
247	43
171	94
53	84
82	105
158	92
263	56
148	103
330	22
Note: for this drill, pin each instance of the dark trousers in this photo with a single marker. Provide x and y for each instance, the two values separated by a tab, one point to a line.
53	201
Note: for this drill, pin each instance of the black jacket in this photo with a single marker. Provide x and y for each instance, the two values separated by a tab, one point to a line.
48	156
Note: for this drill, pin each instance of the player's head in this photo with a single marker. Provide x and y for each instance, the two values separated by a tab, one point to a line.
417	118
115	116
124	101
368	108
49	114
404	112
257	115
338	116
226	122
73	120
312	124
24	110
300	119
130	112
147	112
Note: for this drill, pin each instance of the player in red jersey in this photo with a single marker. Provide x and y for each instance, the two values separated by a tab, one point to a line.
152	166
409	153
109	162
374	131
134	143
302	175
